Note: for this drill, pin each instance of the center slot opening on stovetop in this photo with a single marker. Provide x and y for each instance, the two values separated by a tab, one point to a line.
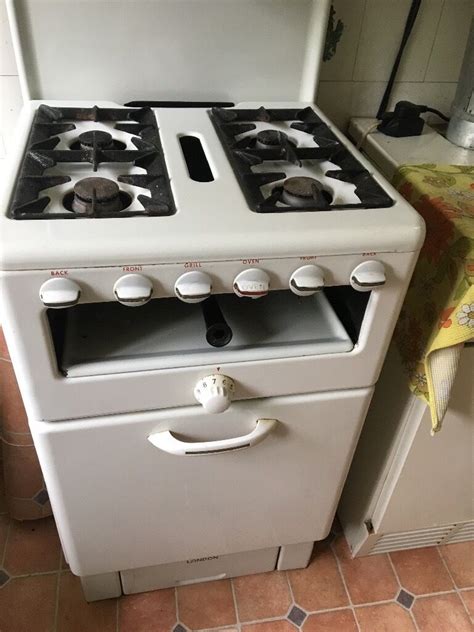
195	157
108	338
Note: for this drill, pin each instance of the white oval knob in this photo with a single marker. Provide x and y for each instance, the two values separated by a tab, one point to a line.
193	287
252	282
215	392
368	276
307	280
133	290
60	292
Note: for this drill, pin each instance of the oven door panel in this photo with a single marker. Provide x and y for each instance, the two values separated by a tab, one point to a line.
121	502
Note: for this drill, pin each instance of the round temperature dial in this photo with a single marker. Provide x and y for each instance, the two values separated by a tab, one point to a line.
215	392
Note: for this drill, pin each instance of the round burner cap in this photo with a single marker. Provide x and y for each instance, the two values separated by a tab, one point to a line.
302	186
271	137
101	139
103	189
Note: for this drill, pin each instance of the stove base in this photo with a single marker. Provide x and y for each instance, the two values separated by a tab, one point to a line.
109	585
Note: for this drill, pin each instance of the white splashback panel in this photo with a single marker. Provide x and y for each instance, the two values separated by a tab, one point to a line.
124	50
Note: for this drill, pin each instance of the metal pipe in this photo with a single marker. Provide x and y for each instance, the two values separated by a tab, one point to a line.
461	126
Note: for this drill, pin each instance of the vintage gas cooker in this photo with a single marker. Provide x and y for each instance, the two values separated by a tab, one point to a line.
197	297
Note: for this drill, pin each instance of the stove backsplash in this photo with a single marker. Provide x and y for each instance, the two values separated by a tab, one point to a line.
429	72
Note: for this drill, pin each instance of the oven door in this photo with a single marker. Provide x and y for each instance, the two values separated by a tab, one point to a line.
152	488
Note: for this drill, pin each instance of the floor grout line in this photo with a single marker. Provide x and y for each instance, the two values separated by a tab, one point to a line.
447	568
7	537
394	571
457	588
36	574
343	579
471	617
176	606
293	601
56	601
236	608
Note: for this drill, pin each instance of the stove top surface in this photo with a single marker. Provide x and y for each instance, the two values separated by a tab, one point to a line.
109	163
255	180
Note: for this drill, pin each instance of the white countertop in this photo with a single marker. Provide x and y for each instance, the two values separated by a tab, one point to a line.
388	153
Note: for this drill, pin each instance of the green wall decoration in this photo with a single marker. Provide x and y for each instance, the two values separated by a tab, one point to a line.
333	35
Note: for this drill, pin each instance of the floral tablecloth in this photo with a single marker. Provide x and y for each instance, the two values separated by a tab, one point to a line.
437	318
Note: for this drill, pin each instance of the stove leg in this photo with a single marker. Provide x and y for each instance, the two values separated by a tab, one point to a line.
294	556
104	586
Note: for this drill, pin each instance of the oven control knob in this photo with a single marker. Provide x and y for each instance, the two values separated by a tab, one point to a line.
215	392
193	287
368	276
60	292
133	290
253	283
307	280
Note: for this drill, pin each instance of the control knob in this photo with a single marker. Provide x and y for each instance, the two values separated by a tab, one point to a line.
60	292
307	280
215	392
368	275
252	282
133	290
193	287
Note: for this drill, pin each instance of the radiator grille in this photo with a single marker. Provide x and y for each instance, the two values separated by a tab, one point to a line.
465	532
446	534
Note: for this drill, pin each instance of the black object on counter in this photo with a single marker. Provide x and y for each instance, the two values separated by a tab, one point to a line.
405	120
218	332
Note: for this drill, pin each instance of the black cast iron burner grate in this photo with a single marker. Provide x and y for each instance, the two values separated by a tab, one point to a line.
41	155
245	153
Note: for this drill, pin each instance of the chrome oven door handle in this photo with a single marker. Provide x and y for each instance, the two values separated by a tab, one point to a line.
166	441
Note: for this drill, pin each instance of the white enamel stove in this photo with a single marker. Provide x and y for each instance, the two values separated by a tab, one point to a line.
167	459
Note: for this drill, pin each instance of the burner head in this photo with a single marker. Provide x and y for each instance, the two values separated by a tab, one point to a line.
102	140
271	138
95	196
302	191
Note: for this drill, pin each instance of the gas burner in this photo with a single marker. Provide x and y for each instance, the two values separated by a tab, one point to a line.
270	138
267	144
305	192
96	196
254	158
97	139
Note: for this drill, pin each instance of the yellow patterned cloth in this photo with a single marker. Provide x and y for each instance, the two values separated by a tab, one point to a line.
437	318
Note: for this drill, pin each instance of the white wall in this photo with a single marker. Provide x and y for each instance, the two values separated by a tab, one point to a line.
353	81
10	98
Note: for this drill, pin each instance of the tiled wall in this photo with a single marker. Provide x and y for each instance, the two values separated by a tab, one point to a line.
353	80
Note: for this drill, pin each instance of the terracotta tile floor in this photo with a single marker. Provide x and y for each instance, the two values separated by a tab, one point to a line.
425	590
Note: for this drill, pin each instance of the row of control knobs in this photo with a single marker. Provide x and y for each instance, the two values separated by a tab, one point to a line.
193	287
